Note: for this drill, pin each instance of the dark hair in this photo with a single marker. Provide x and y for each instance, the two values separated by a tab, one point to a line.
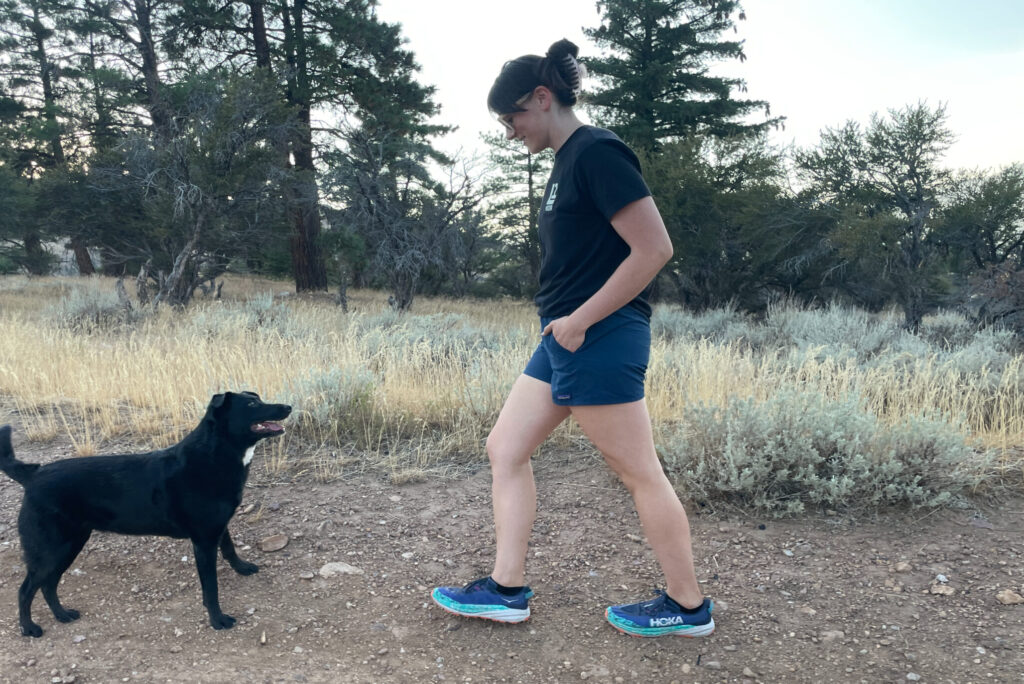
558	70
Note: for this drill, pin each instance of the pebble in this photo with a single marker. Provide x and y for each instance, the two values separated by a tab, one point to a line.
339	568
1008	597
912	676
274	542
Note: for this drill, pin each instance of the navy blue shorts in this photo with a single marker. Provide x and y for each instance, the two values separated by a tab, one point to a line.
609	368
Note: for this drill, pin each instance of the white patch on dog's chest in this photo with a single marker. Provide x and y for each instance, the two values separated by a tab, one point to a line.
248	455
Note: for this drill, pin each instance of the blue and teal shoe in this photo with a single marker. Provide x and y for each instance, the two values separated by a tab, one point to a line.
661	616
481	599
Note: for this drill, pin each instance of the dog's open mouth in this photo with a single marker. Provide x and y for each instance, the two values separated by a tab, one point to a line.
267	428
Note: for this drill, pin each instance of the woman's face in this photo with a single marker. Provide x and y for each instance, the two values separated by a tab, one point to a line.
529	125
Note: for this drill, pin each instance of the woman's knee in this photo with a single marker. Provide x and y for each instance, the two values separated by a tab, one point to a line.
636	470
504	453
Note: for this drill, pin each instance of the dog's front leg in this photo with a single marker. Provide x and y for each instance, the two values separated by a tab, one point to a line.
206	564
227	549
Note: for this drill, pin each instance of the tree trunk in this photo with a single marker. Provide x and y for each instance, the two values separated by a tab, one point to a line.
46	71
403	286
261	45
37	259
308	265
177	289
82	258
158	109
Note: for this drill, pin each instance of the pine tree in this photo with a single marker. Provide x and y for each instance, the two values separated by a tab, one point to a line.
337	60
657	81
889	183
517	191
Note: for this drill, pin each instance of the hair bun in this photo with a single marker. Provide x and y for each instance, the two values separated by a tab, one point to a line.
562	48
570	73
558	70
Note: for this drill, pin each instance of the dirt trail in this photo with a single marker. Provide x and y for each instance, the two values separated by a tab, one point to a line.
816	599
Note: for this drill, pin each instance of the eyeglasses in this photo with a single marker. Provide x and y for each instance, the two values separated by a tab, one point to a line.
506	119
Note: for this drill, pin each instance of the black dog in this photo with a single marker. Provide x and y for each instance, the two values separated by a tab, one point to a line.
188	490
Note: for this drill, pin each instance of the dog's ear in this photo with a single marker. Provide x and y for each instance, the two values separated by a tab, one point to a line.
216	406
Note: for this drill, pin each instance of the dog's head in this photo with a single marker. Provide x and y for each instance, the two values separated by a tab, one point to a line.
244	418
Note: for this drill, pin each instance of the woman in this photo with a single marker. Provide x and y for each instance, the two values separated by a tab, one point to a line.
602	243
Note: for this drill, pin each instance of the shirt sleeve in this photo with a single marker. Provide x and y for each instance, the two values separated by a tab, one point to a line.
610	173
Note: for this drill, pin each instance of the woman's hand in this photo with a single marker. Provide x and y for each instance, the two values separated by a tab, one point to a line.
566	332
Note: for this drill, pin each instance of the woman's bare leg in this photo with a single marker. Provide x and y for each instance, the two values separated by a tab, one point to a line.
622	433
526	420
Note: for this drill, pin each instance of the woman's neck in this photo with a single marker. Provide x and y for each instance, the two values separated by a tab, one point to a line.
564	125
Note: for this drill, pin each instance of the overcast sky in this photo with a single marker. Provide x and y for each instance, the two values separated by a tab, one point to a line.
819	63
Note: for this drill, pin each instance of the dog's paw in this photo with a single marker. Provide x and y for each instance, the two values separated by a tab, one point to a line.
222	621
68	615
31	630
244	568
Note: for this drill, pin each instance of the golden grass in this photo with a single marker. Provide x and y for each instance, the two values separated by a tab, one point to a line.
148	382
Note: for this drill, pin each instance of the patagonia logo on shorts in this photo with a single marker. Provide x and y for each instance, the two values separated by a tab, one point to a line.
564	397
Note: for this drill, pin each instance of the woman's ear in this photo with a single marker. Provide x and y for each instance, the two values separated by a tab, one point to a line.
543	97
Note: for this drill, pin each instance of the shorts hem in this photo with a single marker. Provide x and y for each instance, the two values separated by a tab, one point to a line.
598	401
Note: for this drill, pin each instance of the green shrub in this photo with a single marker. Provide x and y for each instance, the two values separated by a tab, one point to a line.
7	265
835	331
331	401
427	339
88	309
721	326
798	449
947	330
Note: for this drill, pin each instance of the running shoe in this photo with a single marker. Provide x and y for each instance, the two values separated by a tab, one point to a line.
661	616
481	599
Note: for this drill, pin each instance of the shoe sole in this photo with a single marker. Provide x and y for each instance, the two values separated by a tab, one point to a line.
691	632
505	615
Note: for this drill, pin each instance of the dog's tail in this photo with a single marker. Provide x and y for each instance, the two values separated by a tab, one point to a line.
16	470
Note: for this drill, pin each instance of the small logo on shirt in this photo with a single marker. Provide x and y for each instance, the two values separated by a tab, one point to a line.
551	197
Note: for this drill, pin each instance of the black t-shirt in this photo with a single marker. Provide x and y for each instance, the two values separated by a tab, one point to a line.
594	176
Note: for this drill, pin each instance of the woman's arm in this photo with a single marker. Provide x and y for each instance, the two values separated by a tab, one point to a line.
638	223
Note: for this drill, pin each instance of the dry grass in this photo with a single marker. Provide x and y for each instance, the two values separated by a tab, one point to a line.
434	381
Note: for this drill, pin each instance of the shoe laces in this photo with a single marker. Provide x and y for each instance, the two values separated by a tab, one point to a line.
476	584
656	605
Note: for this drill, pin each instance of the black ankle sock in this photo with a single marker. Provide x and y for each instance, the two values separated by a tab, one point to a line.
684	609
507	591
